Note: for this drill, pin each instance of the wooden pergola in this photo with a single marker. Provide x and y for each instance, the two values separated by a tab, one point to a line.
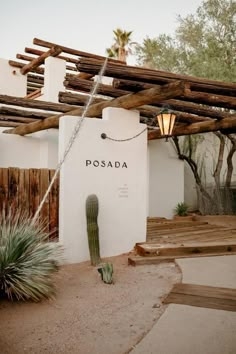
201	105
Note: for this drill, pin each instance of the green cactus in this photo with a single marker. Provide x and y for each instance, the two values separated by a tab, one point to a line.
106	271
92	229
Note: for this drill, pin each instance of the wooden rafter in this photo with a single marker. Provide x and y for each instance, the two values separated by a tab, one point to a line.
72	51
29	103
127	101
182	104
34	63
139	74
197	128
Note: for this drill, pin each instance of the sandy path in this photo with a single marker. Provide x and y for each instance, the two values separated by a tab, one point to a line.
88	316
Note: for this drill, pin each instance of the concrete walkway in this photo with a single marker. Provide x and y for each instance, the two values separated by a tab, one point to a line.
193	330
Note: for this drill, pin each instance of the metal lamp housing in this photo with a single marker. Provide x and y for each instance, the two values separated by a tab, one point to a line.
166	121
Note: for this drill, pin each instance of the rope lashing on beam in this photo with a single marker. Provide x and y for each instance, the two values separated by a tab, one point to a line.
73	137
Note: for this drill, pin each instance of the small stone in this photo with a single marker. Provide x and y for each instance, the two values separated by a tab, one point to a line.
156	306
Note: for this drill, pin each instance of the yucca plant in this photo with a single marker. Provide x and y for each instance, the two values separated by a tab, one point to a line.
181	209
27	261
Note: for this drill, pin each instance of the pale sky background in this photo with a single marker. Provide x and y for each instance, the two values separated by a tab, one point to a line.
85	25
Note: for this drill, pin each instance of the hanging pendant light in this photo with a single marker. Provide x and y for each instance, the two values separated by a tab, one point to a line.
166	121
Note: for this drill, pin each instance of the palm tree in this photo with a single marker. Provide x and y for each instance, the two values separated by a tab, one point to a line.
121	46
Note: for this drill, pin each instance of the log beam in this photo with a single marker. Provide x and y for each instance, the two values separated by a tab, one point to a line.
29	103
34	63
72	51
76	83
197	128
40	52
128	101
145	110
23	113
184	106
13	118
19	65
126	72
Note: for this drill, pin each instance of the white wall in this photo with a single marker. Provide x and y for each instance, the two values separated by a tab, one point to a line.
12	83
122	192
39	150
166	179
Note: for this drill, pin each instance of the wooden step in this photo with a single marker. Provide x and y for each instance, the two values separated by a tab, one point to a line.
199	235
139	260
182	231
152	249
143	260
203	296
175	225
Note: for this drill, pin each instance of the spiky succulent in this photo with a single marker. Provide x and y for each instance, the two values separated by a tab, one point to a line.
27	260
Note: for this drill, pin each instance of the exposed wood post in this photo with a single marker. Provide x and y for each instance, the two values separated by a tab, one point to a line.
128	101
54	51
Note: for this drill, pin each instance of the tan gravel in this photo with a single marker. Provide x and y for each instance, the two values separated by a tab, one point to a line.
88	316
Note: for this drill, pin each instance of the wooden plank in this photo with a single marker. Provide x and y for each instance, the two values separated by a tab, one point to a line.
200	236
13	196
200	301
187	249
34	187
4	190
177	225
205	290
203	296
54	207
128	101
44	183
139	260
182	231
24	190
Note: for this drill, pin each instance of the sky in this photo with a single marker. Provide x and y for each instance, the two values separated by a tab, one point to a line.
85	25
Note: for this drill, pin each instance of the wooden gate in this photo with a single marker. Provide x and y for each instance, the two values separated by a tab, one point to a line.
23	190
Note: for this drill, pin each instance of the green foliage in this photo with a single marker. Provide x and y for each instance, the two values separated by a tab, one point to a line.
106	271
27	261
181	209
158	53
92	228
203	44
121	46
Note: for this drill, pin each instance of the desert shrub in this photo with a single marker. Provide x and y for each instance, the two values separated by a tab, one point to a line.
27	261
181	209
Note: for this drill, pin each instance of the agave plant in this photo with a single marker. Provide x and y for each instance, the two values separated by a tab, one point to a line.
181	209
27	261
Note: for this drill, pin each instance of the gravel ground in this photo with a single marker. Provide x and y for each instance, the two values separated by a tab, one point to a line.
88	316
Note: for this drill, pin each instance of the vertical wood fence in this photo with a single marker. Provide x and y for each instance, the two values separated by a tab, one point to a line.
23	190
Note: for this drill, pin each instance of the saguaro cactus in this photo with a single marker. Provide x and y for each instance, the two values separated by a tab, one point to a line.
92	229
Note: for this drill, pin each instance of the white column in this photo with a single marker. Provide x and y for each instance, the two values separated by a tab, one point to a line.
115	171
54	76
